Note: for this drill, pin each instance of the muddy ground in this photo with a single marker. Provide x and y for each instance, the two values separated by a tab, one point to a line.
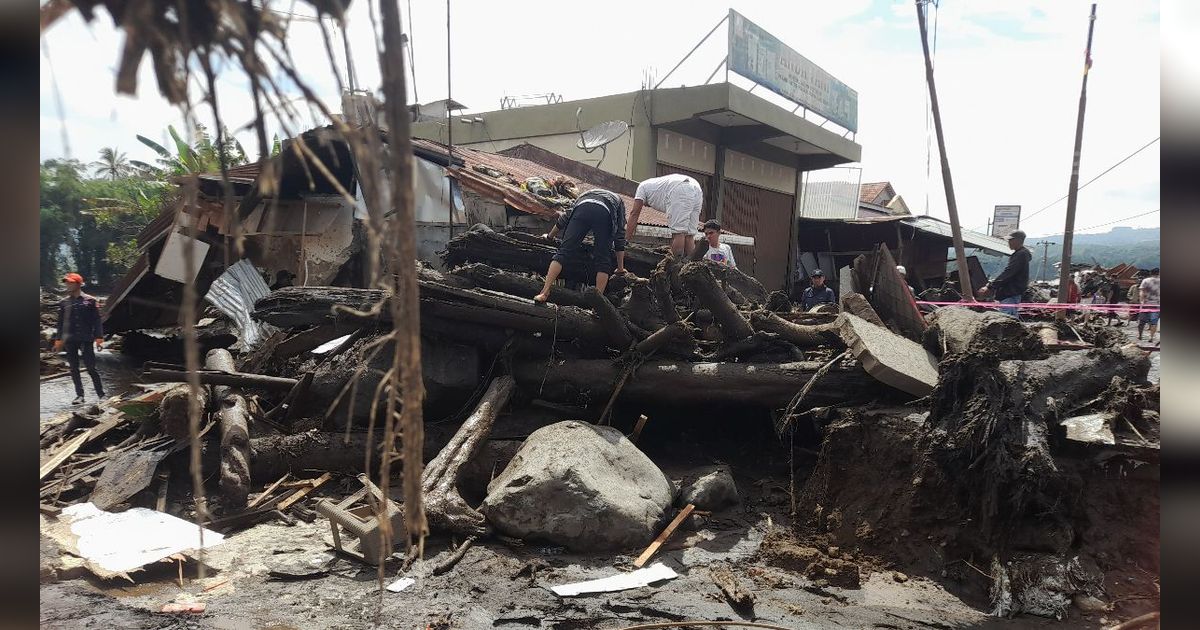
250	580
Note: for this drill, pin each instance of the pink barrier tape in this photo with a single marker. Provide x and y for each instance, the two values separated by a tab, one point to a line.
1121	308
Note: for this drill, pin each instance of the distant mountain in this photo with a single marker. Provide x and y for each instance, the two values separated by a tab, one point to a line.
1136	246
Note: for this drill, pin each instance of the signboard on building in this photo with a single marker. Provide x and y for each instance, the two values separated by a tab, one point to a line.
1005	219
762	58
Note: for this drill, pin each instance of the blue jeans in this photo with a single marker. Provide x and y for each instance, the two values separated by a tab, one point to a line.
1011	311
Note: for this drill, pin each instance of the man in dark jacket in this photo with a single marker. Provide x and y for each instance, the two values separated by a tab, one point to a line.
818	293
602	214
1010	285
78	328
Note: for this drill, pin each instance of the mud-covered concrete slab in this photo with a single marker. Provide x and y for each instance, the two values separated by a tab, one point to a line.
890	358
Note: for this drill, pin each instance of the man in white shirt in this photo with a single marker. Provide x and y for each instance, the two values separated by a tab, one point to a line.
680	198
1149	292
717	251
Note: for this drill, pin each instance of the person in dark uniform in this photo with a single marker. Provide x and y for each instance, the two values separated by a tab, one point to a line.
78	328
818	293
602	214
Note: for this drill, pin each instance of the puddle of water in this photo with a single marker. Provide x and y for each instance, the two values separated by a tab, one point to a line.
117	372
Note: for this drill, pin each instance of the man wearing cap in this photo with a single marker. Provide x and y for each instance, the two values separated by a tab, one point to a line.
818	293
680	198
78	328
1010	285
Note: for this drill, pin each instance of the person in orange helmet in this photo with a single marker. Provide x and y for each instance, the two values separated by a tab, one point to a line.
79	327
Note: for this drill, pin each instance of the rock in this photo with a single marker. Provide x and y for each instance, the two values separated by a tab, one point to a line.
1090	605
582	486
899	577
713	491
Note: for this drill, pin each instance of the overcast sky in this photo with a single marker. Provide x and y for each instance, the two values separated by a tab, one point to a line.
1008	74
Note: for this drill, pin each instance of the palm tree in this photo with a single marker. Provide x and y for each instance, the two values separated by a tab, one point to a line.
112	164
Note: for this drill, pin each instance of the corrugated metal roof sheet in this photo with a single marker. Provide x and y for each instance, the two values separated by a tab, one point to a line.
520	170
970	237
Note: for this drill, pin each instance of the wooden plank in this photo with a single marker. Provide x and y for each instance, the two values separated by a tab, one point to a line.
303	492
63	453
666	533
266	493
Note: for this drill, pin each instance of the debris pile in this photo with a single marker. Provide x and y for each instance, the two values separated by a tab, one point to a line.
949	440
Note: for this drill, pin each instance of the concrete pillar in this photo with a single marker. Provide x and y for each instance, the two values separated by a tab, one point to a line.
644	138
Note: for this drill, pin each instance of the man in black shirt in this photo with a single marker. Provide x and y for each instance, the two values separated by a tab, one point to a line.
1010	285
78	327
818	293
600	213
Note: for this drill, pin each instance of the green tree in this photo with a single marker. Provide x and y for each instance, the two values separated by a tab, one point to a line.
60	186
112	164
201	155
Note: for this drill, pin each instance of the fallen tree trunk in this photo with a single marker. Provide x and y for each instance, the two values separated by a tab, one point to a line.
304	306
661	281
611	320
958	329
173	410
516	284
639	308
518	251
444	506
214	377
234	479
699	279
811	336
683	383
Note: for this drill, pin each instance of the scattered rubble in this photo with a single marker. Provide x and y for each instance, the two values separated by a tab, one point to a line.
957	446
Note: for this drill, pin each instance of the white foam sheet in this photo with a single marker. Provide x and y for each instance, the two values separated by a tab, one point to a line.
330	345
129	540
401	584
619	582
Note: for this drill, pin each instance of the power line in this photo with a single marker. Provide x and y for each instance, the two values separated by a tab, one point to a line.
1118	220
1123	160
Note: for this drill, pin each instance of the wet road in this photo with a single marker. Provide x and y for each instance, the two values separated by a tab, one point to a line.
117	371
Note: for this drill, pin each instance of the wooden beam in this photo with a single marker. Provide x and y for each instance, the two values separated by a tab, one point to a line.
303	492
666	533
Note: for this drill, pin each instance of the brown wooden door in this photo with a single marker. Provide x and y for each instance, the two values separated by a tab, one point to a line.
767	216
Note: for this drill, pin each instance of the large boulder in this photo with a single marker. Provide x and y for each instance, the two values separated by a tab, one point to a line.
582	486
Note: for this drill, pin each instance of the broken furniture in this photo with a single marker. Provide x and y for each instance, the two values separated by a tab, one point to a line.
361	522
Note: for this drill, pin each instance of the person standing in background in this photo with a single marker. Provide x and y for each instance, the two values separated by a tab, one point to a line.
79	327
1149	292
717	251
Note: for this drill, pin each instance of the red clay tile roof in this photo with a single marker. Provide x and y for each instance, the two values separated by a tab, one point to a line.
520	170
869	192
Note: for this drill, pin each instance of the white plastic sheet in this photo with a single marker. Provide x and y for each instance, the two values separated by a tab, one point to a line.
620	582
120	542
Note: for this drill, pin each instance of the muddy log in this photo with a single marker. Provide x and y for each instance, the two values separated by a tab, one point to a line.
220	377
669	382
234	416
516	284
444	506
989	428
173	410
660	280
295	307
810	336
518	251
955	329
611	320
639	307
699	279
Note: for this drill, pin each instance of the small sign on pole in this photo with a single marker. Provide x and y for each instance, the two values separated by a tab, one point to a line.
1005	219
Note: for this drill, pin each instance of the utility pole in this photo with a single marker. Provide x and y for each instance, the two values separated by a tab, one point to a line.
1045	252
964	275
1064	272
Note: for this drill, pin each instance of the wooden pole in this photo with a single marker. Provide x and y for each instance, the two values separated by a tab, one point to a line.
1064	272
964	276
